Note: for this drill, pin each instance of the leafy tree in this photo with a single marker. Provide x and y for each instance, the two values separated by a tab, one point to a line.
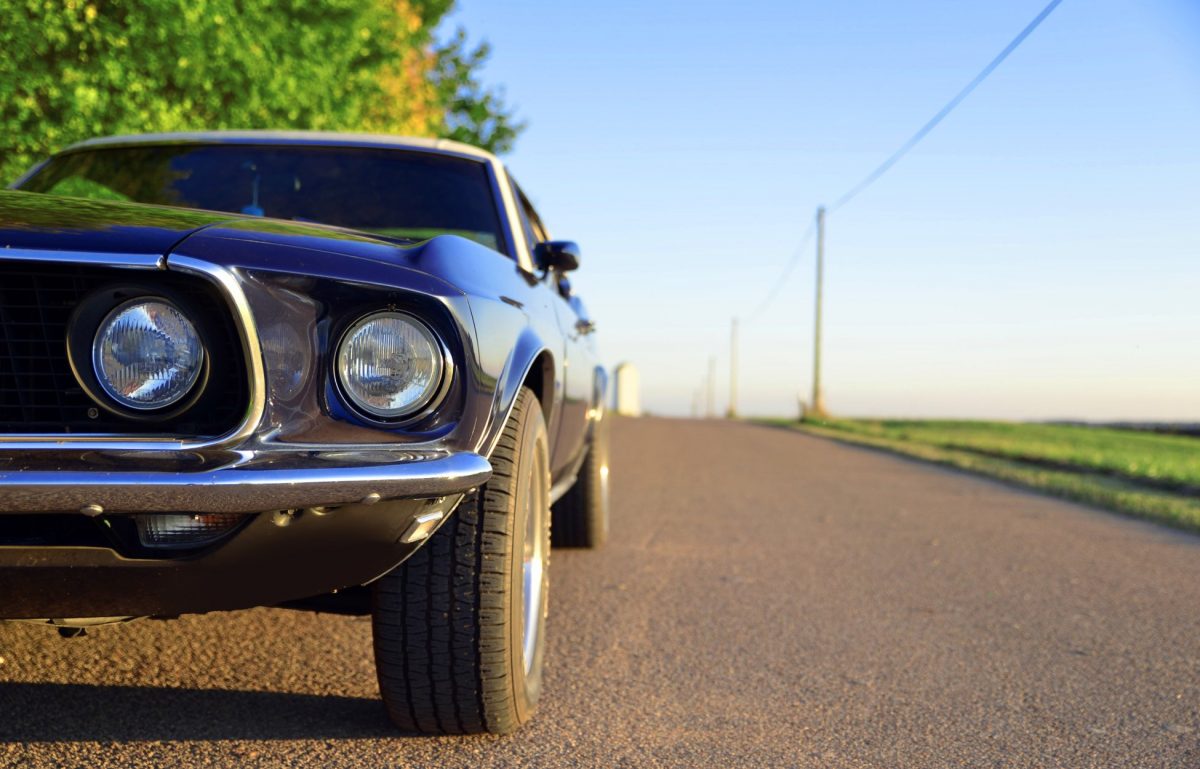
475	114
73	69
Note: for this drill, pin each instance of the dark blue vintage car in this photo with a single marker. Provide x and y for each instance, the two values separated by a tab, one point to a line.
203	411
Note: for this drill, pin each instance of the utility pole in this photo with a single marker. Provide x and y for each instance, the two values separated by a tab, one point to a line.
817	408
733	370
710	410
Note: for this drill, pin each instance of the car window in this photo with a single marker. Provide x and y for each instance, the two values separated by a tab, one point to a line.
530	215
83	187
538	228
531	238
397	193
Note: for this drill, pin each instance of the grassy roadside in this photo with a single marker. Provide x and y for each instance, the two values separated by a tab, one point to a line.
1140	474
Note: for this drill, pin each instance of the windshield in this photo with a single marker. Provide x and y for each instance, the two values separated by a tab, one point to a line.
397	193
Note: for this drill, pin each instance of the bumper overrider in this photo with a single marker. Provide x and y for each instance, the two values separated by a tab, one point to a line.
302	517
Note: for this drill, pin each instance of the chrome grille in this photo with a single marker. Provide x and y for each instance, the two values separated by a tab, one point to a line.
39	394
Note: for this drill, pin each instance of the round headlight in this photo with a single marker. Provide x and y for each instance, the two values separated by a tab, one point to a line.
147	355
389	365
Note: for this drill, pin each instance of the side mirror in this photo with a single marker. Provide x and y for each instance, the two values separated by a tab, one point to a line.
561	255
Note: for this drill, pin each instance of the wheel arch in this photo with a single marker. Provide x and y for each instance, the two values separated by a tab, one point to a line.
531	364
539	377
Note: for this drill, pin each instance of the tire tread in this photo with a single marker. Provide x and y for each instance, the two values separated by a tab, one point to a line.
579	515
441	639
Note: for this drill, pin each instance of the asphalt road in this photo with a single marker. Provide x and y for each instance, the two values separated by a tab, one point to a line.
768	599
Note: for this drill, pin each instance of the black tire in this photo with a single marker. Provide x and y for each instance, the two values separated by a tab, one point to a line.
581	515
449	623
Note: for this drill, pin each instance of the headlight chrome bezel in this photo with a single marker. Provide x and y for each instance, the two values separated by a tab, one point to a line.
189	390
84	332
421	408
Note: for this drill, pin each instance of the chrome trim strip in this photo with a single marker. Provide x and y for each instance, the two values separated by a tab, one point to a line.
134	261
243	317
495	428
243	488
512	218
227	282
269	137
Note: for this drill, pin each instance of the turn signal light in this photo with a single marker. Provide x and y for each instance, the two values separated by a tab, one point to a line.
184	530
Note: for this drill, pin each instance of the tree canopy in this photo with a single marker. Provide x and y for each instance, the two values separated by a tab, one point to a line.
74	69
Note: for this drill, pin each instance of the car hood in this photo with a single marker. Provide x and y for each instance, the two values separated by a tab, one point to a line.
40	222
37	221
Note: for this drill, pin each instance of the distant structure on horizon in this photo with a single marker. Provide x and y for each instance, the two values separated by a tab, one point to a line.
627	399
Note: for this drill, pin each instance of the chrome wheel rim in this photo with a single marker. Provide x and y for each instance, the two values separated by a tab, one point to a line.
604	489
537	503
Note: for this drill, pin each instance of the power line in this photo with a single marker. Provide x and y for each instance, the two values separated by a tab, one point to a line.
783	276
915	139
866	182
904	149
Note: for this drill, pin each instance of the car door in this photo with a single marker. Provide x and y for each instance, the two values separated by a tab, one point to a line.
578	328
577	351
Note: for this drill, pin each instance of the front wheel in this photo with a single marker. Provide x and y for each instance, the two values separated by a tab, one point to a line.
459	626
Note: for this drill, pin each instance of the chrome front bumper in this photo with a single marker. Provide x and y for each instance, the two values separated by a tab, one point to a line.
271	481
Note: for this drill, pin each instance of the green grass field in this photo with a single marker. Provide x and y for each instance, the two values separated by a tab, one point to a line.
1149	475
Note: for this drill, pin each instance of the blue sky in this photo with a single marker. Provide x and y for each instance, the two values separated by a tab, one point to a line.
1037	256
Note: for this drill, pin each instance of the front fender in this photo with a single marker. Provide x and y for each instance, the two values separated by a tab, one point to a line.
517	337
530	360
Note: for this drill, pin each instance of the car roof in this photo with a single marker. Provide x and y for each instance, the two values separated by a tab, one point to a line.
305	138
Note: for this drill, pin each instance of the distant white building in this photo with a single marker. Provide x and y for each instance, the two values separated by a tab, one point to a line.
627	399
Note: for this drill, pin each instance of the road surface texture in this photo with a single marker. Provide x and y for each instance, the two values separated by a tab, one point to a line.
769	599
